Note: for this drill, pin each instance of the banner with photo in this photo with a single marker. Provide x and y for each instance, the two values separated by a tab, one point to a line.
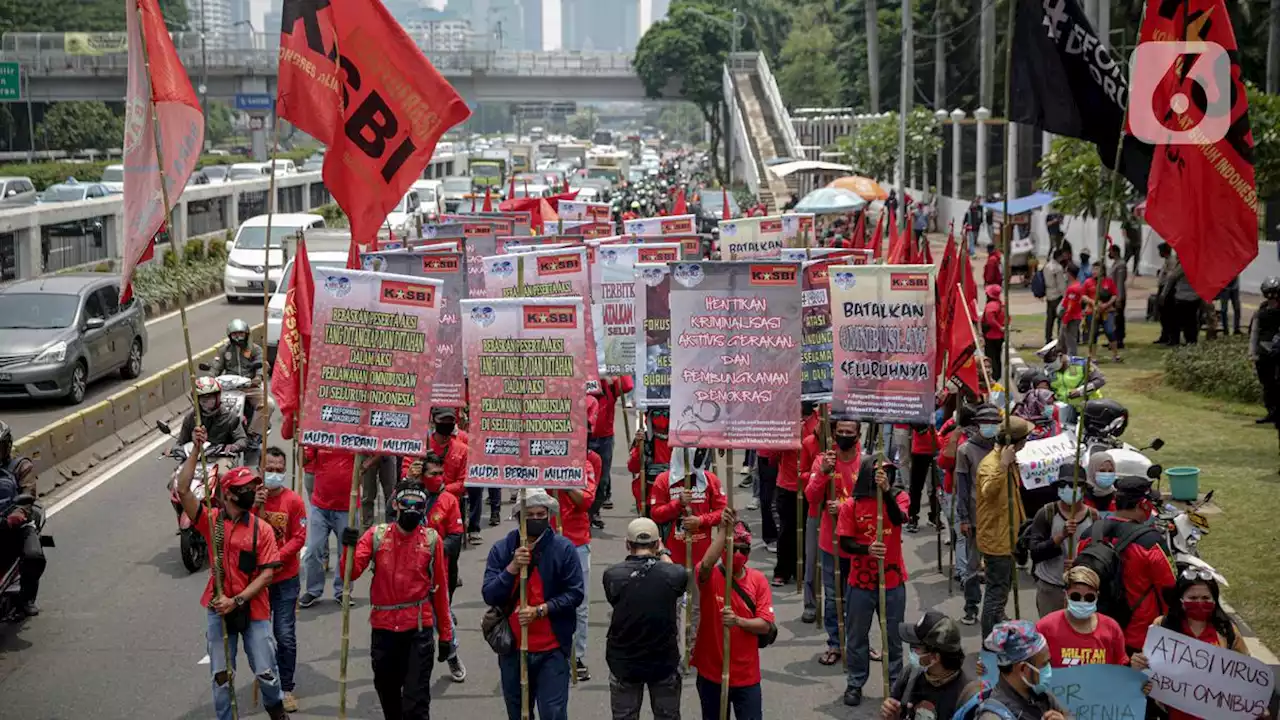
450	268
371	366
580	210
479	241
589	230
439	232
883	342
735	355
95	43
613	283
527	362
751	238
653	327
797	230
815	355
673	225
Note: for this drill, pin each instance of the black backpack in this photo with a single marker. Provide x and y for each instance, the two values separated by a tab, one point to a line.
768	638
1106	559
10	488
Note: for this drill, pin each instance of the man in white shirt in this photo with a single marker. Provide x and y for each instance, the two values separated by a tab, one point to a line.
1055	286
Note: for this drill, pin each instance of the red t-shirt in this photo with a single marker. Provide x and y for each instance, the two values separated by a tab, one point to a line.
993	320
332	470
1109	289
287	515
574	522
708	504
1067	647
858	521
817	489
788	464
541	637
612	389
237	537
924	442
744	648
1072	305
446	516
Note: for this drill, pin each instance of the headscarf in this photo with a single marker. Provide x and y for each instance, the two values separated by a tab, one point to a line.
536	497
1033	405
1095	462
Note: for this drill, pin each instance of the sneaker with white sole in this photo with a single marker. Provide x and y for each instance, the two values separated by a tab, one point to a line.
290	703
457	671
306	600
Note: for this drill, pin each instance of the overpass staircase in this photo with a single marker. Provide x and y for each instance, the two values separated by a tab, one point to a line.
762	127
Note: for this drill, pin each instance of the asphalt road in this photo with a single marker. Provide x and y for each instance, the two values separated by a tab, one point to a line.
208	324
121	634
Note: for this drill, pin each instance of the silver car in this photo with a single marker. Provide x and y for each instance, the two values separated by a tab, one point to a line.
61	332
17	192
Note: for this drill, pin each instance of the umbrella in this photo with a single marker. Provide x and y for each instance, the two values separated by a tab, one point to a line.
828	200
863	187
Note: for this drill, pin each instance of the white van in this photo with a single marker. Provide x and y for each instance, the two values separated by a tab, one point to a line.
275	307
246	257
249	171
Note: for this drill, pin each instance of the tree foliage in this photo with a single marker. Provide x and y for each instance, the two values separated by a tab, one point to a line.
1264	119
84	125
681	122
78	15
807	75
872	149
221	123
582	123
1073	170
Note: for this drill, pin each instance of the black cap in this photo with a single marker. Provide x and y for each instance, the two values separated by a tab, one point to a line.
934	631
443	413
1067	474
1137	486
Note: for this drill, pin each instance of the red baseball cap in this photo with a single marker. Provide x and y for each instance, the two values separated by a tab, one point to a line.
239	477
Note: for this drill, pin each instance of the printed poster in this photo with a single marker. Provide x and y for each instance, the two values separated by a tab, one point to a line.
797	230
815	353
526	359
369	376
520	220
580	210
613	284
447	389
735	355
751	238
589	230
439	232
673	225
803	254
653	327
1095	691
479	240
690	243
883	342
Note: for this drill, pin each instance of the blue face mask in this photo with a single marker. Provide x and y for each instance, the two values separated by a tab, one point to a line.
988	431
274	480
913	659
1104	480
1068	495
1081	610
1048	412
1045	676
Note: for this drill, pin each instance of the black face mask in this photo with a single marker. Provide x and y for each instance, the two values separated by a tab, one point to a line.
445	428
846	442
243	499
239	341
535	528
409	519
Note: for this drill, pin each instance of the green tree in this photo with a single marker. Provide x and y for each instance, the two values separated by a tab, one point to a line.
1073	171
78	15
872	149
1264	119
583	123
76	126
808	76
681	122
690	46
923	137
221	121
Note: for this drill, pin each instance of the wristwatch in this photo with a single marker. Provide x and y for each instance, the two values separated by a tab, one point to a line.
540	611
238	600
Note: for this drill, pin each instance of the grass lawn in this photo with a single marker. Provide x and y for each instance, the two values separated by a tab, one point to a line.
1237	459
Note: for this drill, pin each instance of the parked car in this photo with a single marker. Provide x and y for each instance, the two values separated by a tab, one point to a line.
403	218
216	174
113	178
275	306
17	192
456	189
243	276
249	171
430	197
60	332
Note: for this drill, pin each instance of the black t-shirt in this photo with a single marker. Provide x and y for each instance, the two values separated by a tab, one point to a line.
928	701
643	643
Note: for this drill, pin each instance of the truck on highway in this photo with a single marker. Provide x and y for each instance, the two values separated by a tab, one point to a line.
575	153
521	157
489	169
611	165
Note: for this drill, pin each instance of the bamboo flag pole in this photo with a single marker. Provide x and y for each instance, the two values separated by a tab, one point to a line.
216	545
642	431
348	559
728	593
935	497
969	319
837	587
688	557
524	570
799	519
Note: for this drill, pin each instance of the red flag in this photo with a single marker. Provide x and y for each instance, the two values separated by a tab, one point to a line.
488	200
878	237
859	237
353	255
511	188
944	289
566	184
961	347
899	244
352	78
724	197
287	381
969	286
681	208
1201	195
167	91
149	254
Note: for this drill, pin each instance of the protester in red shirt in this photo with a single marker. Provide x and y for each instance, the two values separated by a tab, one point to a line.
809	451
1072	314
1108	298
842	465
575	525
600	441
857	531
657	456
924	447
243	547
1078	634
286	513
993	271
330	495
749	616
788	465
408	602
993	319
444	515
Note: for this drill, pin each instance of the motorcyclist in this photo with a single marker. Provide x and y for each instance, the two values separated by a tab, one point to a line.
18	538
239	356
634	212
226	430
1067	378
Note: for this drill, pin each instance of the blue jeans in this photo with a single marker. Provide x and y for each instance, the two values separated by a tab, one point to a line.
830	619
475	498
967	564
811	564
604	448
320	523
548	684
284	627
259	649
583	610
747	702
859	605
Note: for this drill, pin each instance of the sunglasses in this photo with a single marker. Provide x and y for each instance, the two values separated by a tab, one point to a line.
1082	597
1196	574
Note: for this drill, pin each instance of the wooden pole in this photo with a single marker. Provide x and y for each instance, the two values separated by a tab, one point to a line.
883	606
642	430
799	522
688	557
524	571
348	559
728	594
837	587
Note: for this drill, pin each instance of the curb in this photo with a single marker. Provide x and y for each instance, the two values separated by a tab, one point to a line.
158	308
88	436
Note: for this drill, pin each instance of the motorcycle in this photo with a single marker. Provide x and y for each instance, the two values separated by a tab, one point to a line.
191	544
235	401
11	579
1183	530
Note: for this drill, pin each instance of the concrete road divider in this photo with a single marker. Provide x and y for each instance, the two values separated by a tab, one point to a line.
89	436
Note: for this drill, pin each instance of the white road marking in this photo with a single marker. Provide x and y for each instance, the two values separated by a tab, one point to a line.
174	314
204	660
110	472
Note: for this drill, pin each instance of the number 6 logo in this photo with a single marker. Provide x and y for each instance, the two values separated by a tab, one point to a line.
1195	101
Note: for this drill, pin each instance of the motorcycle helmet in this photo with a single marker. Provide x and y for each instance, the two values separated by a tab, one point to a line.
238	332
1271	288
208	394
1105	416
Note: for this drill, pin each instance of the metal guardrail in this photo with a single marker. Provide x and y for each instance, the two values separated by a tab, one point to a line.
780	114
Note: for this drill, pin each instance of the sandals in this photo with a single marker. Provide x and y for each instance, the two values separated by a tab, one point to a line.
778	582
830	657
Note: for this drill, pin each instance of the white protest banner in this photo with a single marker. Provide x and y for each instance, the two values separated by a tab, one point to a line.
613	299
1206	680
653	330
579	210
1039	460
797	230
674	225
862	257
751	238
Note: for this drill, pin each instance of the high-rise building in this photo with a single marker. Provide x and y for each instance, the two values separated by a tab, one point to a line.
214	19
442	35
242	30
605	25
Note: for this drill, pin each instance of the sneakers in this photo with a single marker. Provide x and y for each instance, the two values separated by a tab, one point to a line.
495	518
607	504
809	616
939	525
754	504
745	483
457	671
853	697
474	538
970	618
771	547
31	609
290	703
596	522
583	673
912	526
306	600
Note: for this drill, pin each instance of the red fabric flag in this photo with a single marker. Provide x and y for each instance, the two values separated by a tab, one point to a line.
859	236
968	286
899	244
1201	195
961	347
488	200
148	255
287	380
877	238
177	111
353	254
943	291
511	188
352	78
724	197
681	208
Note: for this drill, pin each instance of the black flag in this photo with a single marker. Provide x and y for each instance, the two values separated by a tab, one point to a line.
1067	82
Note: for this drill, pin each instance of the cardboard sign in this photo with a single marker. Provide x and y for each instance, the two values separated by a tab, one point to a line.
1040	460
1206	680
751	238
653	329
1089	692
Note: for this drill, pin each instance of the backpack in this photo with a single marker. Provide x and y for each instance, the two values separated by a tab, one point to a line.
1107	560
768	638
980	703
1038	285
10	488
380	532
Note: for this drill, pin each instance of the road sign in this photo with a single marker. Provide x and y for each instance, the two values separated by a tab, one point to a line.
255	102
10	81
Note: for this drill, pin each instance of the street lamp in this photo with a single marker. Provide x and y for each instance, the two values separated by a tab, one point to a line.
253	32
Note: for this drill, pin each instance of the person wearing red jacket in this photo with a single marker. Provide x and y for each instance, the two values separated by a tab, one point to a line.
786	466
286	513
842	465
993	271
409	604
657	456
444	515
600	441
993	318
688	504
330	495
924	447
809	451
574	523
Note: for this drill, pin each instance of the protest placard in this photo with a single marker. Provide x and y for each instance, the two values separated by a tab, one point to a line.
439	232
856	257
613	285
1039	460
521	220
504	244
884	342
547	273
479	240
797	230
653	326
526	360
673	225
815	354
1089	692
735	360
1206	680
447	389
751	238
580	210
589	229
690	244
370	370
